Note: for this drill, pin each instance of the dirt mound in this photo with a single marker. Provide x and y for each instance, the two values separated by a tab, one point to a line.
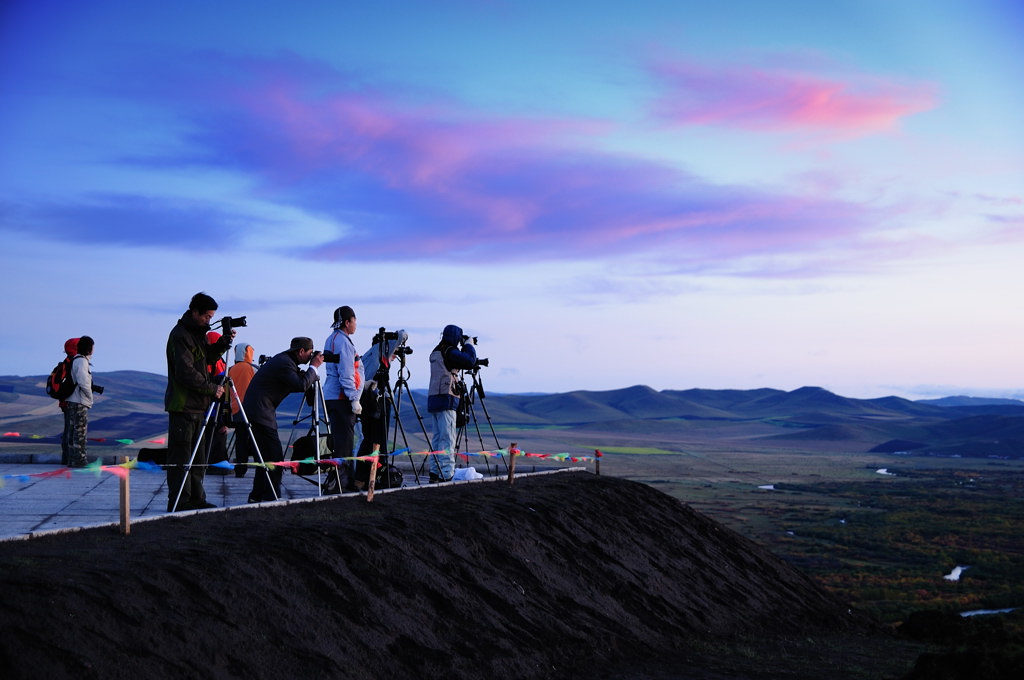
559	572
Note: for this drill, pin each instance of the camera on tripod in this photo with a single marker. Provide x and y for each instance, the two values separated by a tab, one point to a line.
482	362
330	357
394	341
383	335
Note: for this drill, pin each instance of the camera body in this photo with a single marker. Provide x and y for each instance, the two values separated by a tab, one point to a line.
228	322
383	335
330	357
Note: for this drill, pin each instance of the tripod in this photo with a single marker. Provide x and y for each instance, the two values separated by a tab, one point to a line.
468	413
376	420
317	415
211	414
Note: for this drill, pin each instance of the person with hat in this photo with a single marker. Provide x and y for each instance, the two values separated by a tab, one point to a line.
344	384
455	352
241	373
275	380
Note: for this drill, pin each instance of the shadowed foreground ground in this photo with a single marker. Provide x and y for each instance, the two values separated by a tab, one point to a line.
563	575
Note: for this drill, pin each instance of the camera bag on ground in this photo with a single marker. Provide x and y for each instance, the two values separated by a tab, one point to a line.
304	448
60	385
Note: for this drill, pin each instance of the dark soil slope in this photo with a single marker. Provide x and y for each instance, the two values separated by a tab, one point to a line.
556	575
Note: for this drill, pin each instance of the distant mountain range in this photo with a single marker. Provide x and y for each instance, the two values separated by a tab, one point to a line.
132	408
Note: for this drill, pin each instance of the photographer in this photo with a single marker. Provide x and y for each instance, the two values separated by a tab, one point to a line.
190	390
376	403
275	380
344	384
454	353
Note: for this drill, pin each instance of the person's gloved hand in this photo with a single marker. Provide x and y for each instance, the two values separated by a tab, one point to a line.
357	408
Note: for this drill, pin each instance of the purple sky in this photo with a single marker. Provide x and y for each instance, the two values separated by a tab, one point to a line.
771	194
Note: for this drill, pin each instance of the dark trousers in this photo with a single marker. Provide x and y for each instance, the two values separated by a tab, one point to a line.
343	426
243	444
375	431
182	433
266	485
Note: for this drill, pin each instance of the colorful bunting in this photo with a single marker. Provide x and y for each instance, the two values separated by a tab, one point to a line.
122	470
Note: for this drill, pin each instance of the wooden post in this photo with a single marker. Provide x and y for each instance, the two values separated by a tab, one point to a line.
126	527
373	473
512	450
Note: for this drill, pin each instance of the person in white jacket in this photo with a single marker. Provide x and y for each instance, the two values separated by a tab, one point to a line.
79	403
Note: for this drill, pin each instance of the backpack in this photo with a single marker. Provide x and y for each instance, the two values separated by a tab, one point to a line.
60	385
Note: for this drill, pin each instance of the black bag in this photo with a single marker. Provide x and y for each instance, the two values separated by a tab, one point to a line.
339	479
303	448
389	477
155	456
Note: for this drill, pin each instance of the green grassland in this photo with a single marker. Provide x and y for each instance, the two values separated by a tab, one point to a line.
881	541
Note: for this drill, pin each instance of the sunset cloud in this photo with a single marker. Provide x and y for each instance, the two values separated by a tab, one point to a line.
411	175
433	179
771	99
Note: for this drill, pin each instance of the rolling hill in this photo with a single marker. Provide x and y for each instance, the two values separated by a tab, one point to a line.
132	408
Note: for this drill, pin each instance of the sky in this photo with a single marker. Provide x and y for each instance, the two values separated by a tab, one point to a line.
660	192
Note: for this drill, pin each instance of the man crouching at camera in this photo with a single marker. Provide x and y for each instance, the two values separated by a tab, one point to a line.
275	380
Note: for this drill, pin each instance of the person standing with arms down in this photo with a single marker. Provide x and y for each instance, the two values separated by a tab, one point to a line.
71	350
446	360
275	380
79	403
218	445
241	373
190	391
344	384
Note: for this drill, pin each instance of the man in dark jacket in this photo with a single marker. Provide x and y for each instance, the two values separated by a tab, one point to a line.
188	396
275	380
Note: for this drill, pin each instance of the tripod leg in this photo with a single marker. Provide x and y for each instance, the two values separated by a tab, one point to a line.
192	458
256	454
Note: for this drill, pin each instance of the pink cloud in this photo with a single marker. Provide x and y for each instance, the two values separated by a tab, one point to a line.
759	99
419	178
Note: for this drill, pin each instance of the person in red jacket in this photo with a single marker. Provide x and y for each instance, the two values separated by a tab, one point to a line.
71	349
218	445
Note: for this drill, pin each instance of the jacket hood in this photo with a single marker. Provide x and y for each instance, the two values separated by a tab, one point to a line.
244	353
71	346
451	334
